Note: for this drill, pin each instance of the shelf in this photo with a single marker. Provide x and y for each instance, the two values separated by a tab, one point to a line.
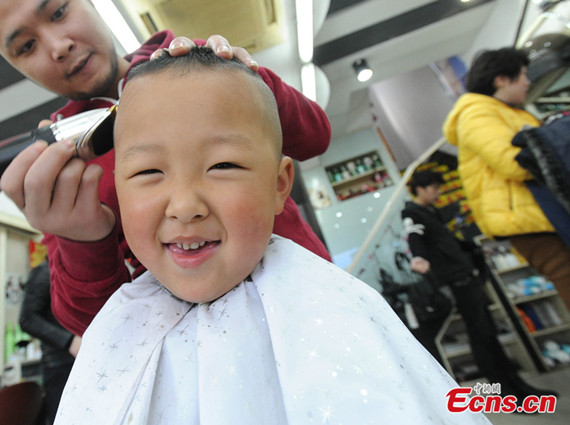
534	297
358	177
464	349
551	330
564	99
512	269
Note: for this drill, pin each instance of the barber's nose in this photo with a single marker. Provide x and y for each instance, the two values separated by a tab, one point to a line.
61	48
186	205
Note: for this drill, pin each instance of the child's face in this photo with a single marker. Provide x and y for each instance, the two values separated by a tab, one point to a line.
199	179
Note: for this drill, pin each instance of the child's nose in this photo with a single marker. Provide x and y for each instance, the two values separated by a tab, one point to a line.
186	206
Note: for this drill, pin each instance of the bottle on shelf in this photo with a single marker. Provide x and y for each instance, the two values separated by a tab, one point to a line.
378	179
9	341
376	161
337	175
330	175
351	165
504	259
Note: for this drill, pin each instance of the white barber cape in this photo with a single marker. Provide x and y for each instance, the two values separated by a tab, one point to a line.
299	342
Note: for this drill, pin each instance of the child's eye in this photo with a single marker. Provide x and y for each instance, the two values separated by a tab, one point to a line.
59	13
224	166
147	172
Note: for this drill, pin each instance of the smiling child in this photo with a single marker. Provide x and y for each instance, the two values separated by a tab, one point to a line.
231	324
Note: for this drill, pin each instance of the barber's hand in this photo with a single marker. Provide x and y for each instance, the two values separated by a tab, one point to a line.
419	265
182	45
75	345
57	192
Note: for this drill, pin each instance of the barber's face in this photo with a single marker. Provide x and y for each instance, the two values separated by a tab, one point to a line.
63	45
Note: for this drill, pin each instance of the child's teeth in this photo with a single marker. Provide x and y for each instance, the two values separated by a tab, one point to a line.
194	245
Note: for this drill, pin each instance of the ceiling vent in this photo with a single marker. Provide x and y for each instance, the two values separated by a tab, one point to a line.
253	24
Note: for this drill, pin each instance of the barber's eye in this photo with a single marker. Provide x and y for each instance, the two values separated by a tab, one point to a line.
59	13
26	47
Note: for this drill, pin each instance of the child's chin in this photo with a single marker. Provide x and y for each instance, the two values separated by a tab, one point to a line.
199	297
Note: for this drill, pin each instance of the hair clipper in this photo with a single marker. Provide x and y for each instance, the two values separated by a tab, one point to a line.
91	131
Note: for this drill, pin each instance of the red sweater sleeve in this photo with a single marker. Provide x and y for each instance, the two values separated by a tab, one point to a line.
84	275
306	128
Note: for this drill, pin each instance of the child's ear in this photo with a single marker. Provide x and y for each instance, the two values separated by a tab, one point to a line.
285	179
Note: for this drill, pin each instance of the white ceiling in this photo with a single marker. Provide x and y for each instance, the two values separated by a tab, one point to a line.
413	50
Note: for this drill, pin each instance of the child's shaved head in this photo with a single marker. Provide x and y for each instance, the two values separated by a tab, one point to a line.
203	59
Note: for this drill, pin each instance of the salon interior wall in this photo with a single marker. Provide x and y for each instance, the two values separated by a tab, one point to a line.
409	109
345	224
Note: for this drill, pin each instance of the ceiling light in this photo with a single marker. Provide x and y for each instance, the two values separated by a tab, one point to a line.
308	81
117	24
304	10
363	71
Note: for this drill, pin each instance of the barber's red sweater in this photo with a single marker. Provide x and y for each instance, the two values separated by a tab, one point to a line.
85	274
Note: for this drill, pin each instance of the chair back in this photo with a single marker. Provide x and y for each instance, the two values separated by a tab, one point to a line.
20	404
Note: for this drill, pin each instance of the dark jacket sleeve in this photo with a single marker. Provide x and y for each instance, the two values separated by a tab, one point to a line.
36	318
414	228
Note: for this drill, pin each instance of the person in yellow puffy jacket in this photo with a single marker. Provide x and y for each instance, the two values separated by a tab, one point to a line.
482	125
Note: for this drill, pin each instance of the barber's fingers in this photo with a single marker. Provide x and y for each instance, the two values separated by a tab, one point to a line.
157	53
12	181
220	46
245	58
180	46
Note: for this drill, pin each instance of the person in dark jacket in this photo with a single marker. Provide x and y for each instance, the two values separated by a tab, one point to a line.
59	347
436	252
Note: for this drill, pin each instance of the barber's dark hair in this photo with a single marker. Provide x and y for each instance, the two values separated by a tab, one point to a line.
425	178
489	64
198	58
